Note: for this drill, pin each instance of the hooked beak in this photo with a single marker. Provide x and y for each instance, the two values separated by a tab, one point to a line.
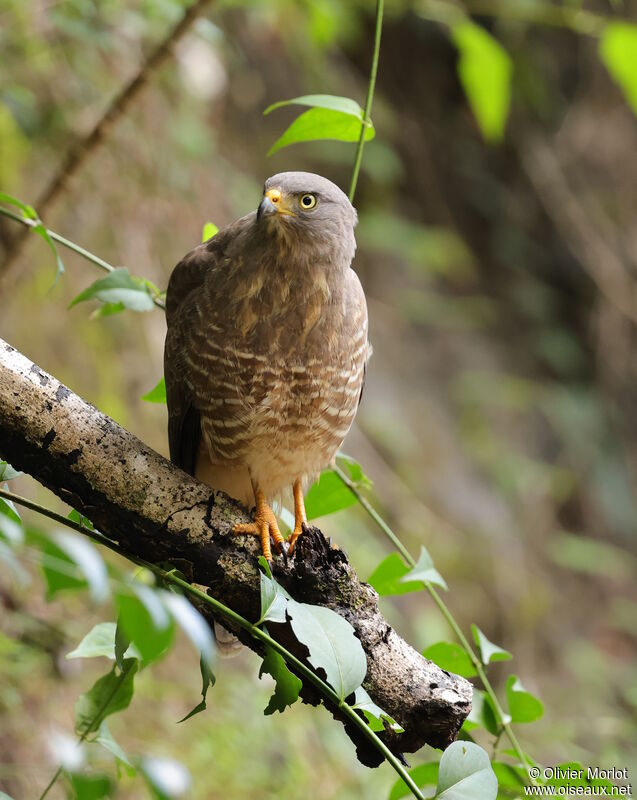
273	203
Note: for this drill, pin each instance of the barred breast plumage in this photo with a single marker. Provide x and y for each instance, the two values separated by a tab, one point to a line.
267	346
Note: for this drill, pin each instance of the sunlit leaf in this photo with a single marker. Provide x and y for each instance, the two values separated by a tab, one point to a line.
523	706
485	71
207	680
11	529
329	101
424	571
323	123
145	620
451	657
112	692
288	686
488	651
8	558
332	643
388	575
166	777
378	719
119	286
157	394
209	230
618	50
465	773
100	641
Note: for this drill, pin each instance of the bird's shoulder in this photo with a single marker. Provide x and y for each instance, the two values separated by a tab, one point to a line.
191	271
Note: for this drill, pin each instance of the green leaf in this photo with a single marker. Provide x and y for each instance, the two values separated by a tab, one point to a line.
482	714
166	777
388	575
354	469
509	776
145	621
207	680
451	657
423	775
75	516
30	213
192	624
11	529
288	686
72	563
330	101
4	796
274	598
119	286
157	394
100	641
374	714
327	495
7	473
209	230
485	71
465	773
112	692
488	651
424	571
122	646
332	644
91	787
105	738
8	558
8	509
523	706
322	123
618	51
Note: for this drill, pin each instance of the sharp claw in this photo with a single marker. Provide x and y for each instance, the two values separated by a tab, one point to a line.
282	550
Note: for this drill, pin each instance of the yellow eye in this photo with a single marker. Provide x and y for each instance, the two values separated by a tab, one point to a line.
307	201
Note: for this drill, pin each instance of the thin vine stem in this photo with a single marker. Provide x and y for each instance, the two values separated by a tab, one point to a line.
368	100
450	619
76	248
168	576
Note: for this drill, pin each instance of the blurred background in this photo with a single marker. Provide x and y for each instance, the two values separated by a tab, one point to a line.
499	423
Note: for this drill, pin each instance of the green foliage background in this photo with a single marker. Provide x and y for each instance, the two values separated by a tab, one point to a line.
497	249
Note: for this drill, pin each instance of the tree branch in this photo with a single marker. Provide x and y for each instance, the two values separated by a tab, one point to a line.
159	513
83	148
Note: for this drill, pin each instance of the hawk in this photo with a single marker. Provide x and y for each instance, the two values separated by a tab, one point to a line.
266	350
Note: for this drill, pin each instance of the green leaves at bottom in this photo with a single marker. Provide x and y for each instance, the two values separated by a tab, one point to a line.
423	775
112	692
465	772
332	643
288	686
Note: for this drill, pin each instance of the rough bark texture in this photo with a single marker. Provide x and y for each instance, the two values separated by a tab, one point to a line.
156	511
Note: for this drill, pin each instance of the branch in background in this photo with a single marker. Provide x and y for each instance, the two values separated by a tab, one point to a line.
83	148
156	512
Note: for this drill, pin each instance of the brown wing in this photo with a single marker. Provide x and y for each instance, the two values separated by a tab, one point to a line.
184	421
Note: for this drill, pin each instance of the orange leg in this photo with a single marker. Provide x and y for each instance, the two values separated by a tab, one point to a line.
264	526
300	519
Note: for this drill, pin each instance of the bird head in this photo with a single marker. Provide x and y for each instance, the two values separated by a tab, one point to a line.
303	205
